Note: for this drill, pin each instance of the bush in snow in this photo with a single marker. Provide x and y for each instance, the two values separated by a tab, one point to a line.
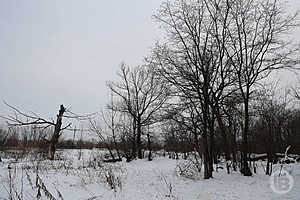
113	176
189	169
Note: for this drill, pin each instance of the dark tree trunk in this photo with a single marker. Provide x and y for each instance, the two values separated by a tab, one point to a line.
110	150
206	127
207	173
211	147
138	140
269	145
149	147
51	151
268	165
133	147
245	166
196	141
234	147
211	155
224	134
56	134
270	160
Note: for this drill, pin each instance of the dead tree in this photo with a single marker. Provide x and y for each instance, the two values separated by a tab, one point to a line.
57	133
23	119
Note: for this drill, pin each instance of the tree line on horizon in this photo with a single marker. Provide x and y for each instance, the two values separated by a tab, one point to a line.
203	89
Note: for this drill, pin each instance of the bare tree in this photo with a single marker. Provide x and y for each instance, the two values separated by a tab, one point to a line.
114	123
214	48
182	127
258	44
110	134
23	119
195	62
273	115
142	95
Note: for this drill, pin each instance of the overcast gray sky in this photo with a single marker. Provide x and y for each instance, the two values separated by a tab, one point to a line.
64	51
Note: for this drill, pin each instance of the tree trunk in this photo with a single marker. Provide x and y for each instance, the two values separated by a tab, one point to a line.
51	151
133	147
206	126
207	173
268	165
234	147
245	167
149	147
138	140
211	146
224	133
56	134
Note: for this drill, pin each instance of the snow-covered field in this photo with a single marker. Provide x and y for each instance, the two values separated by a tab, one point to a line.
89	178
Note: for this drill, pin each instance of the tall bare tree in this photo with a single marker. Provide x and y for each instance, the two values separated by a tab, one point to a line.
258	43
195	62
273	116
215	47
142	94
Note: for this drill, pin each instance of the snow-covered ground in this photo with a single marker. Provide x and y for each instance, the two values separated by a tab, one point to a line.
89	178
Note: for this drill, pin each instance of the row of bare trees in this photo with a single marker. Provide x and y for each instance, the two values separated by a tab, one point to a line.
215	56
199	87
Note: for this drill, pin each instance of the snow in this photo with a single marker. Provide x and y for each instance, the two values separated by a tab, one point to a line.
139	179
